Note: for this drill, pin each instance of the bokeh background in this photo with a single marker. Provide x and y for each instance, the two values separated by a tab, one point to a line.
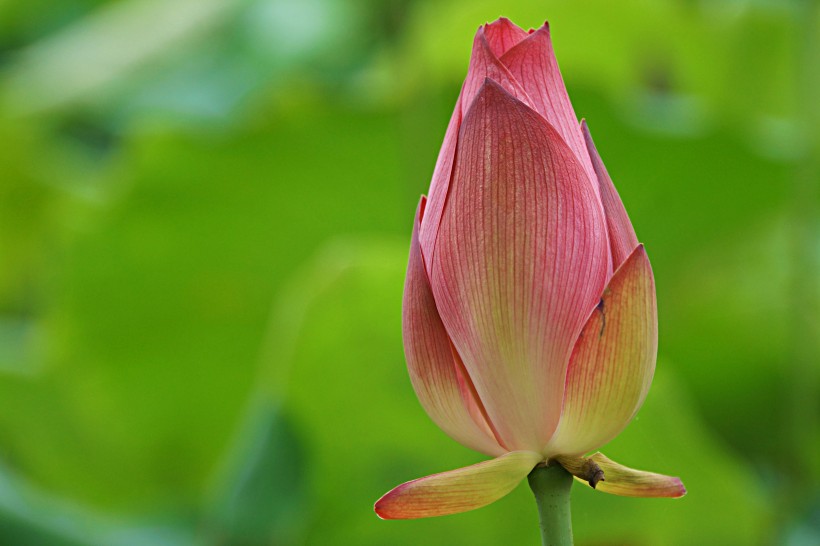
205	209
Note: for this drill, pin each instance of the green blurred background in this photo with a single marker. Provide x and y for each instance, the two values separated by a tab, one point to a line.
205	208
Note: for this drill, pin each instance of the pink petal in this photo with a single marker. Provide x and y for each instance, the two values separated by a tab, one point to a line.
613	362
519	263
622	237
483	64
532	62
502	34
443	390
459	490
440	183
628	482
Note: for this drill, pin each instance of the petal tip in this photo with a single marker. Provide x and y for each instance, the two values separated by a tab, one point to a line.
389	505
492	88
679	489
640	251
420	208
378	507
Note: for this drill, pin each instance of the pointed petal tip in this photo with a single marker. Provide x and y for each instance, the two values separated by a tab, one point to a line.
545	31
378	509
501	35
496	89
390	506
638	254
420	208
495	93
384	506
638	258
503	22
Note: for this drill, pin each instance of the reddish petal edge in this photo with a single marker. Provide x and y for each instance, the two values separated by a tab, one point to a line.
622	238
621	480
442	387
458	490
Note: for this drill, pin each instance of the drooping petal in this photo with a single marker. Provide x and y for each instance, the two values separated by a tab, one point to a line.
613	361
483	64
624	481
458	490
622	237
533	64
519	263
444	391
502	34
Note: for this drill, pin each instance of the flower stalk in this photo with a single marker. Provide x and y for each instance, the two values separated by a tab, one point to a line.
551	486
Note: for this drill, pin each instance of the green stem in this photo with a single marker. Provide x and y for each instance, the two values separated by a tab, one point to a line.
551	486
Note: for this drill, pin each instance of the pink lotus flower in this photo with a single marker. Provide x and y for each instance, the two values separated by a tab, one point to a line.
529	314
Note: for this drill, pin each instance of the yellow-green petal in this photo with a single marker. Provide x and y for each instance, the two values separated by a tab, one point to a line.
613	362
621	480
458	490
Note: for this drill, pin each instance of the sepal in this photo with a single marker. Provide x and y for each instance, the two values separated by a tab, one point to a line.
604	474
458	490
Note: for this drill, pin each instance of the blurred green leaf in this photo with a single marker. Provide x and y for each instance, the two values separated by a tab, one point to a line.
103	48
157	302
262	499
31	517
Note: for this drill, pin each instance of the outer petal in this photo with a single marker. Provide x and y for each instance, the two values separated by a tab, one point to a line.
622	237
519	263
483	64
502	34
440	182
613	361
627	482
444	392
459	490
532	62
